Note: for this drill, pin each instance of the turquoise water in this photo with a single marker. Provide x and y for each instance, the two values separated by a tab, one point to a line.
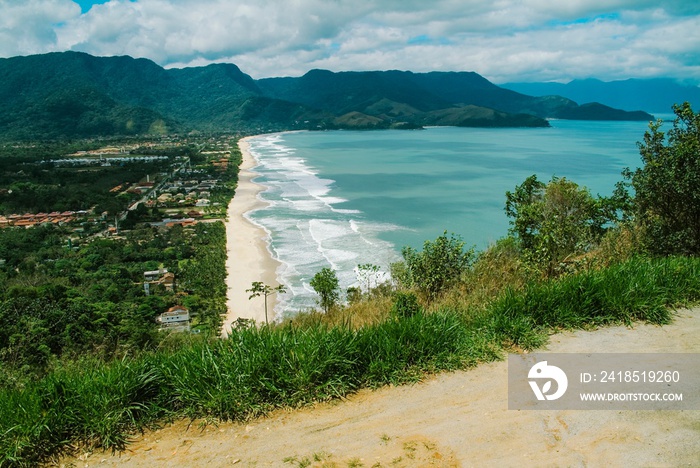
344	198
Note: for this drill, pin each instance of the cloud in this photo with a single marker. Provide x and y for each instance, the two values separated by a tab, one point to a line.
29	26
504	40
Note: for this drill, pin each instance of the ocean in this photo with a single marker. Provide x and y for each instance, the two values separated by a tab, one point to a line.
339	199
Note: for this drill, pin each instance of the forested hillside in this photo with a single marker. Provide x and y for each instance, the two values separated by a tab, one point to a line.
76	95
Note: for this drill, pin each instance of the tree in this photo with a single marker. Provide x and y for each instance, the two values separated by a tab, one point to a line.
666	201
524	207
260	289
555	221
326	285
438	266
368	276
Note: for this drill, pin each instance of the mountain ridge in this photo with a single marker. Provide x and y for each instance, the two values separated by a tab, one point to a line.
74	94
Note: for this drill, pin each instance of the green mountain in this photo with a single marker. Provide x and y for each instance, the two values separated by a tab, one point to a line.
72	94
435	98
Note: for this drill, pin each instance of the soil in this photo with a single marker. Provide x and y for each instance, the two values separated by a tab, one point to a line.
449	420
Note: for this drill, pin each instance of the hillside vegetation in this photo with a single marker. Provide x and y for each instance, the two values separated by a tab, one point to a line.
571	261
75	95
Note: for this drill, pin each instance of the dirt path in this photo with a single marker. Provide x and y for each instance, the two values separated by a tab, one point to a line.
455	419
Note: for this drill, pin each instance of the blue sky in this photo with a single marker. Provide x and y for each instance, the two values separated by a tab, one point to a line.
503	40
86	5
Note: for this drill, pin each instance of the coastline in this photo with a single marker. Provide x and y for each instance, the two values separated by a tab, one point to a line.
247	256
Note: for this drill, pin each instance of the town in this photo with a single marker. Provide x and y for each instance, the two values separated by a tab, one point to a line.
134	194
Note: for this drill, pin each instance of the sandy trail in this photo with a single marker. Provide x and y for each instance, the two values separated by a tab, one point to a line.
248	258
453	419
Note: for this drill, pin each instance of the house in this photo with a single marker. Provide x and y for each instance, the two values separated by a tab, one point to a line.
202	202
175	319
154	275
168	281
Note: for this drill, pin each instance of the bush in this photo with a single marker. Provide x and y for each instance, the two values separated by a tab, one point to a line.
439	266
326	284
667	187
405	304
555	222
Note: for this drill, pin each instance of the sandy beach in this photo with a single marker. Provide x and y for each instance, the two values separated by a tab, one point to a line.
248	258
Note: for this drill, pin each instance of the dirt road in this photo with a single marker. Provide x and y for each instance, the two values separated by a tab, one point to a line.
455	419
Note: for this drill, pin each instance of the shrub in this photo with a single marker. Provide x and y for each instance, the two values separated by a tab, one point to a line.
439	266
326	284
555	222
405	304
667	187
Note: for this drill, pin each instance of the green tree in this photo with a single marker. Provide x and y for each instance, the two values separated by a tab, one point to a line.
367	274
258	288
666	201
555	221
524	208
438	266
326	285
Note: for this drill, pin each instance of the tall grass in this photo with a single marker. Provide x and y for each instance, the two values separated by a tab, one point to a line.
639	289
255	370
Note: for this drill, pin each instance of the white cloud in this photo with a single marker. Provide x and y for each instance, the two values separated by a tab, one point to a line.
503	39
29	26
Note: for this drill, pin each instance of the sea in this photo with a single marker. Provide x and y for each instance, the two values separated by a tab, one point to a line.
340	199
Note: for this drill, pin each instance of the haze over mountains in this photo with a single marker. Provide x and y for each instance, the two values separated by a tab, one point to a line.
653	95
73	94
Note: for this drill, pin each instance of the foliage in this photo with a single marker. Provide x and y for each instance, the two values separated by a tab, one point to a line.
367	274
255	370
555	222
326	285
57	301
71	94
405	304
666	188
438	266
258	288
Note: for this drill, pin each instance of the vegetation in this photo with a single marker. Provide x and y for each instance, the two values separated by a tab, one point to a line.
68	290
259	288
555	222
75	95
666	200
326	284
258	369
437	267
77	322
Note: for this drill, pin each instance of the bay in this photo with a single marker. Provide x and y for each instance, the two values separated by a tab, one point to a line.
343	198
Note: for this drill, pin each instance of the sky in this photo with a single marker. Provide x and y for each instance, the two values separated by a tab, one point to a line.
503	40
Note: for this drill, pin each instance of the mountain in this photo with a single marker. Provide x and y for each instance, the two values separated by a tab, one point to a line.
652	95
427	98
73	94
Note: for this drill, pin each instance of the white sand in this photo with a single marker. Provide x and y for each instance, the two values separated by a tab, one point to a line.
248	258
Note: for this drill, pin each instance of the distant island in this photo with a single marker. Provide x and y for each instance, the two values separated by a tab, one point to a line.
76	95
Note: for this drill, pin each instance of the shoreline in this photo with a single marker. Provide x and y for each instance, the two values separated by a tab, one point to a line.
248	258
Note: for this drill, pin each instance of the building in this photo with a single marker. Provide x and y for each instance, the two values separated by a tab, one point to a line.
154	274
175	319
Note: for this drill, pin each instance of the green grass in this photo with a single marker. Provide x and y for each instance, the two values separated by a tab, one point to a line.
93	404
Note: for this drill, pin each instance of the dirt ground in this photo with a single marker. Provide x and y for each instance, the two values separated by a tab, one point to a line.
451	420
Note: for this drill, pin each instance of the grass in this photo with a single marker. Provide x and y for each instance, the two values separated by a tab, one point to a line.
92	404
